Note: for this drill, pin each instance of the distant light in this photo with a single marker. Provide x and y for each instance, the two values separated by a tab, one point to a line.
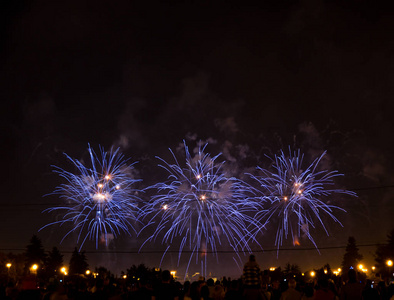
389	262
87	272
124	276
325	271
360	266
8	265
203	197
107	177
100	185
313	274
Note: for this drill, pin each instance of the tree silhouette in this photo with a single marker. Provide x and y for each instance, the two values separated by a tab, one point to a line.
141	271
35	253
78	262
291	270
384	253
54	262
352	257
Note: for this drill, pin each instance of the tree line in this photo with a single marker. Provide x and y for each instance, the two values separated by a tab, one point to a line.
50	264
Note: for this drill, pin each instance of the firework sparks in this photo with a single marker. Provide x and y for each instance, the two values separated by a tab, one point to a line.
99	200
200	205
297	197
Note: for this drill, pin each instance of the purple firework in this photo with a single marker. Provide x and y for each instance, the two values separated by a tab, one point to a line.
201	206
296	195
99	200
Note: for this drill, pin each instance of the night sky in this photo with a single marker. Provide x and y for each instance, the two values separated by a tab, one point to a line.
250	80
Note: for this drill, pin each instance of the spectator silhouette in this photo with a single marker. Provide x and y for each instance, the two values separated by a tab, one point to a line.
291	293
166	290
353	289
233	292
324	292
275	290
369	293
251	279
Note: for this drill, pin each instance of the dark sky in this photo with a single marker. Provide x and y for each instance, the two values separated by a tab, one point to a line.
251	79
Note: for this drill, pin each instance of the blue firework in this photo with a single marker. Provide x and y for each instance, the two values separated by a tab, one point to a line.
100	200
296	196
199	206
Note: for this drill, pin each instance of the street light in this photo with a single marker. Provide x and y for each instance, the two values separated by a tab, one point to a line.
34	268
64	271
389	263
8	265
173	274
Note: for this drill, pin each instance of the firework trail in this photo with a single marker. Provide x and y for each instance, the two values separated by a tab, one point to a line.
201	206
296	196
99	200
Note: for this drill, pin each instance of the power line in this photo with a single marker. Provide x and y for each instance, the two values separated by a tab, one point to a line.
208	251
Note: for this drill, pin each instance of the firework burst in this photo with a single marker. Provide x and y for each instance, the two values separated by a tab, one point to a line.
99	200
199	205
297	197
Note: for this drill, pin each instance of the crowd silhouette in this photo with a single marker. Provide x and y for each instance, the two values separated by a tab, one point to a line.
253	284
